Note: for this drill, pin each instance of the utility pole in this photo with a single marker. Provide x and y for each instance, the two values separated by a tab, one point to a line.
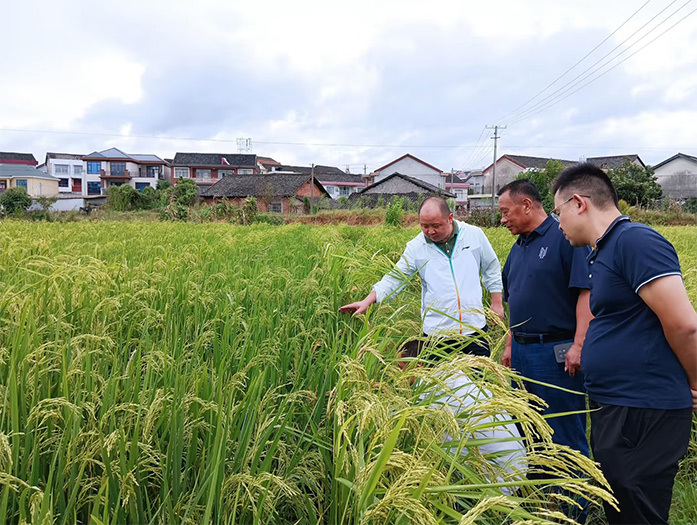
312	188
452	190
493	177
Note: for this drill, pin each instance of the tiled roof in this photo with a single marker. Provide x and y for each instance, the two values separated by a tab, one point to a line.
324	173
146	158
677	156
115	153
237	160
614	161
18	171
63	156
282	185
536	162
268	160
9	155
421	184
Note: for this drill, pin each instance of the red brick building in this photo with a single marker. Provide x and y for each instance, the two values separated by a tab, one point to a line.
280	193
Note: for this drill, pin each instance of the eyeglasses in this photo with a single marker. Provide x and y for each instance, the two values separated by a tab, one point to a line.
556	211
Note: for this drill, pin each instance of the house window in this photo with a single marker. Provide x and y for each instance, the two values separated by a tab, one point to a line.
181	173
77	169
245	171
225	173
62	169
64	183
276	207
140	186
203	174
94	188
344	191
94	168
458	194
22	183
3	184
153	172
118	169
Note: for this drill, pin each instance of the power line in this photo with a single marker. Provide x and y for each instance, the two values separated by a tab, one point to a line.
554	102
577	63
565	91
481	143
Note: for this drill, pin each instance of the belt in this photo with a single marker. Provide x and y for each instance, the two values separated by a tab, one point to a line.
530	339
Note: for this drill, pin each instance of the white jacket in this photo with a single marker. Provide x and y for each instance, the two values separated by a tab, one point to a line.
451	293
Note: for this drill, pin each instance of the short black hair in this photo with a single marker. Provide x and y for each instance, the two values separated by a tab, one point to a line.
442	204
585	178
522	187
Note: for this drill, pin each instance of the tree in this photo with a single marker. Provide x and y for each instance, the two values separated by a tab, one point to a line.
46	202
15	200
543	179
636	184
185	192
123	198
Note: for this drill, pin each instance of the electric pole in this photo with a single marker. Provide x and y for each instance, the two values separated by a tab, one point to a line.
496	137
312	188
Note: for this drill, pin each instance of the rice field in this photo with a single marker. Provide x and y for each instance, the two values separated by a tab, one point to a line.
200	373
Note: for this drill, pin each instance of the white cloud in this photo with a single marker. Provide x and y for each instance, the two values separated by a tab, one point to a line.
361	72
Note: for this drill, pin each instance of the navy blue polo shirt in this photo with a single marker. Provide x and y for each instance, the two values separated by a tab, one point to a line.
541	281
626	358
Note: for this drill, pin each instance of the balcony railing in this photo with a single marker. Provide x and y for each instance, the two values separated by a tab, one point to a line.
109	175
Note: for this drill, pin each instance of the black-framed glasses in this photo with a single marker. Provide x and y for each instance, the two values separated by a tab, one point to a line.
555	211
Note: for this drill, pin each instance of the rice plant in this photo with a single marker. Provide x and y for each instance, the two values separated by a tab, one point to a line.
200	373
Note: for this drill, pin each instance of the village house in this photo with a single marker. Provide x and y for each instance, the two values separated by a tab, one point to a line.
10	157
36	182
677	176
274	192
413	167
113	167
397	185
337	182
509	167
410	166
267	164
18	170
207	169
69	169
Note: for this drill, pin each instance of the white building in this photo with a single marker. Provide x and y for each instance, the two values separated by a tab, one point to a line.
69	169
113	167
677	176
410	166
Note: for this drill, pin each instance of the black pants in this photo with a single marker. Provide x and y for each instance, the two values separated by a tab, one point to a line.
638	450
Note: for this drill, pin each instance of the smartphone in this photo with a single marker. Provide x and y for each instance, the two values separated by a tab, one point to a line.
560	351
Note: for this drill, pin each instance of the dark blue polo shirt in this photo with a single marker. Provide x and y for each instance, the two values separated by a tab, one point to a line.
626	359
541	281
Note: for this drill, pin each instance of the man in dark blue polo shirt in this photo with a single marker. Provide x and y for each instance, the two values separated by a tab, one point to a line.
545	282
640	354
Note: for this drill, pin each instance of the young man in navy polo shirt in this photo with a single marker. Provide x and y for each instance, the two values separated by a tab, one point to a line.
640	354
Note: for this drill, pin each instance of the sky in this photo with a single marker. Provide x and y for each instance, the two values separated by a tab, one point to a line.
351	84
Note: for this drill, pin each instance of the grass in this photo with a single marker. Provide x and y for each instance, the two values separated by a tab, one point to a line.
200	373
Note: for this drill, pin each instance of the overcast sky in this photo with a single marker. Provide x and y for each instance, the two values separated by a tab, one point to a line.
350	83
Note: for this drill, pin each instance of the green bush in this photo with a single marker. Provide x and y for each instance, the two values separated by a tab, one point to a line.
269	218
395	212
690	205
123	198
14	201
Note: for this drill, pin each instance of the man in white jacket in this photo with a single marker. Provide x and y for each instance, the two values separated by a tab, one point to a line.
450	256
